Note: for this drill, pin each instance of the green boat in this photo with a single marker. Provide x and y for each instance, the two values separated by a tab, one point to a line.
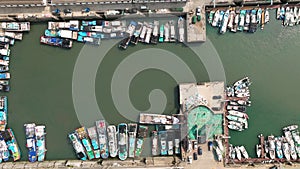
161	33
132	128
142	133
242	20
82	134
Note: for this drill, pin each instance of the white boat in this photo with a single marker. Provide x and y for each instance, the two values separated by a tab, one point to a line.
293	152
112	140
278	13
267	16
219	154
224	22
155	151
253	16
231	20
234	127
143	33
231	152
148	35
243	94
216	18
247	21
219	143
278	143
244	152
272	146
291	127
5	52
172	31
244	102
170	147
258	150
298	17
155	28
238	153
238	114
293	19
167	32
146	118
181	29
131	28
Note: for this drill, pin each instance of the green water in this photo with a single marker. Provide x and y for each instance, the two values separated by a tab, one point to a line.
41	84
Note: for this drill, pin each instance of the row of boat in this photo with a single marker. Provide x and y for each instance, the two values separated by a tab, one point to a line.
289	15
125	140
8	143
9	32
153	32
238	152
62	34
238	99
239	20
286	146
35	142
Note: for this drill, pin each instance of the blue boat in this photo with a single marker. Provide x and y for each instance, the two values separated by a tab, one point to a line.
12	144
94	140
52	33
30	141
40	142
89	23
3	113
53	41
4	75
78	147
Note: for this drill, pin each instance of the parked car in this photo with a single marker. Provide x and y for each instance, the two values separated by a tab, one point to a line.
190	160
195	145
199	150
198	11
195	156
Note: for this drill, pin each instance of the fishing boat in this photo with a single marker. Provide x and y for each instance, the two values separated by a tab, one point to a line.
216	18
163	142
272	146
4	153
89	23
4	68
143	33
235	23
123	141
167	32
247	20
155	143
148	34
224	22
78	147
136	34
6	40
238	114
15	26
89	40
244	152
242	20
238	153
286	151
4	62
102	136
221	16
278	143
92	132
12	144
253	16
52	33
141	135
258	15
54	41
172	31
293	152
132	129
4	88
3	119
154	36
4	82
112	140
5	52
131	28
244	102
181	29
267	16
4	75
231	20
211	16
146	118
124	43
14	35
219	154
170	147
278	13
30	141
236	108
177	147
262	24
291	127
235	125
82	135
161	33
40	142
231	152
258	150
242	83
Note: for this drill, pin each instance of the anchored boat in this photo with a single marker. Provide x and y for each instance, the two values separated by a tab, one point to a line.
155	143
4	153
146	118
112	140
94	140
78	147
54	41
40	142
123	141
15	26
181	29
81	132
163	142
30	141
101	129
132	128
142	133
12	144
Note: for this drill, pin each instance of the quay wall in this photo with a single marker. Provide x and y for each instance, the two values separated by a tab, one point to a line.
164	162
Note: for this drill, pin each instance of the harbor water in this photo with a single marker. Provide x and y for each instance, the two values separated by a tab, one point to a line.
41	83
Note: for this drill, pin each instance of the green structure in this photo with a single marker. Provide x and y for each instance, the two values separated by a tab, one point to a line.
204	121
